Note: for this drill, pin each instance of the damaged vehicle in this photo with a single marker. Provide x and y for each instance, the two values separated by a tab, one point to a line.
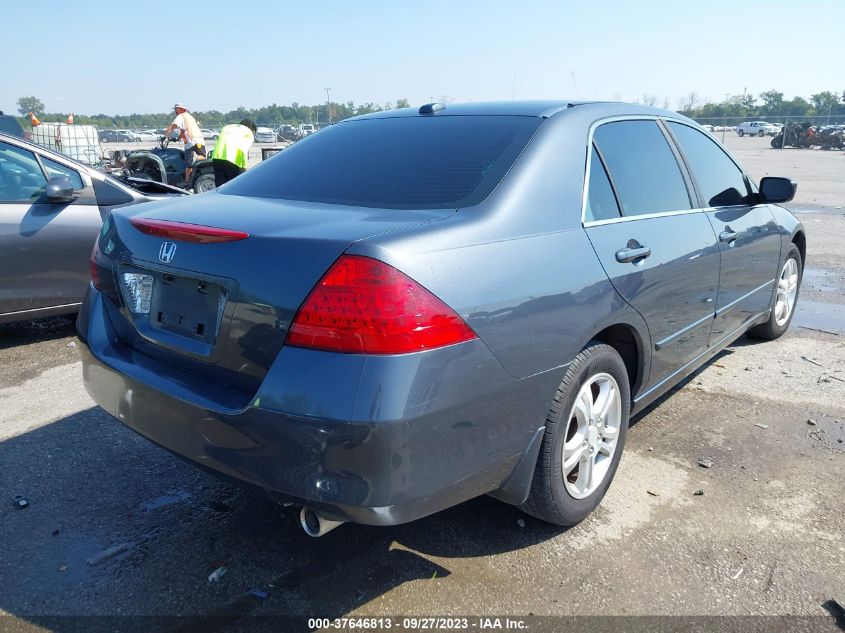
476	304
166	164
51	210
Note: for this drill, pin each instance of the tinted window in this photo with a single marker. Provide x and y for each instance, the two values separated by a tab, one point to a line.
719	180
10	125
644	170
21	178
55	169
398	163
601	203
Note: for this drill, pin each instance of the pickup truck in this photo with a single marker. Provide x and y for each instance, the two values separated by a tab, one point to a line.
756	128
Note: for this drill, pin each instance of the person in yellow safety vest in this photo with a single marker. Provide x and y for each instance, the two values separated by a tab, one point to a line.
190	133
231	151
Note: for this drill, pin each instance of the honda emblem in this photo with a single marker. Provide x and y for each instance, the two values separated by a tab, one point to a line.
166	252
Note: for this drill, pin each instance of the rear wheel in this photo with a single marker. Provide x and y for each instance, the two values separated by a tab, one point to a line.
205	182
786	297
585	434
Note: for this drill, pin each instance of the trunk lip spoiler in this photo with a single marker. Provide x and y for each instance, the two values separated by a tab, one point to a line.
186	231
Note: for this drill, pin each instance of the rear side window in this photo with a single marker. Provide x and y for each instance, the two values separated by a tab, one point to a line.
109	194
433	162
601	202
644	170
720	182
55	169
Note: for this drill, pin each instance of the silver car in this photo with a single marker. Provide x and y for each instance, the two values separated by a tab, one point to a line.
51	210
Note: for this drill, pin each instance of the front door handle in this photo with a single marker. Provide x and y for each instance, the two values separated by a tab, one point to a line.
728	235
628	255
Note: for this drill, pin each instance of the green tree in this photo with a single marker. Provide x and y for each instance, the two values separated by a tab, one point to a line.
30	104
772	101
402	103
824	102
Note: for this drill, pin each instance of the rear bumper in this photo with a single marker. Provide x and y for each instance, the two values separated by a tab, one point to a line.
375	440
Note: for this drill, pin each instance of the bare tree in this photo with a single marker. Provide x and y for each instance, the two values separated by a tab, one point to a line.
648	99
666	105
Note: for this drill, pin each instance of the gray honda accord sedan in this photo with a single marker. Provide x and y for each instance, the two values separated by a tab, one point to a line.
412	308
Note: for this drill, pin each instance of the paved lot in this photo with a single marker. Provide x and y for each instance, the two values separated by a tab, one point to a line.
766	537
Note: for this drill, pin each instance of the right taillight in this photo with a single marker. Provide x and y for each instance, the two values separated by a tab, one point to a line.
362	305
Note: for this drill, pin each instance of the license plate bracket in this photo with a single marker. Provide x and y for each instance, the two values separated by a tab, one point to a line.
192	308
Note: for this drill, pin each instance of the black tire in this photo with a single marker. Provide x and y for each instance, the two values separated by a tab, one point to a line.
741	133
204	182
770	330
761	133
777	141
549	499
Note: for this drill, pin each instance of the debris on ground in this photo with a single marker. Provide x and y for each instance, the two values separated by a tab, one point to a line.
739	573
650	449
63	568
21	502
810	360
760	425
217	574
811	422
258	593
520	522
705	462
653	493
111	552
72	344
698	493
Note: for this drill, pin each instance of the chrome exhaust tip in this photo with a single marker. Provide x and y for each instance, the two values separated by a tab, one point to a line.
314	525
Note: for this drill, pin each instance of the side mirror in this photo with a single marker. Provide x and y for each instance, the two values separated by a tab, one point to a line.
775	190
60	189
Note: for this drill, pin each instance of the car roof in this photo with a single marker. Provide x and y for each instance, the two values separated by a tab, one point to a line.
543	109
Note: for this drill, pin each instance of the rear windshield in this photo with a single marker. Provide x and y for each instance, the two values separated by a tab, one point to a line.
433	162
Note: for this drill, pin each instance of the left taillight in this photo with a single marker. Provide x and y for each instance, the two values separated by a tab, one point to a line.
95	270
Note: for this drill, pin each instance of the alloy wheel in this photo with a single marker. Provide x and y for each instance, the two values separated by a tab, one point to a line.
592	434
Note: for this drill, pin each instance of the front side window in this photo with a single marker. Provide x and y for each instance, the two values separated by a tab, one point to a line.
720	182
55	169
435	162
643	168
21	178
601	201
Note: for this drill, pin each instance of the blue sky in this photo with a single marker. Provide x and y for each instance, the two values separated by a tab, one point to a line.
117	57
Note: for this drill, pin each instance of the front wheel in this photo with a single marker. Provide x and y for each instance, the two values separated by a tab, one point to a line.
761	134
741	133
786	297
585	434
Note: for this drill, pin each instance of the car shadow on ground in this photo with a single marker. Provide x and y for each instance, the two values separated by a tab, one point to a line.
36	331
116	525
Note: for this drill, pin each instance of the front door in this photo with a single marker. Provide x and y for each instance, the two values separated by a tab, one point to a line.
44	247
749	239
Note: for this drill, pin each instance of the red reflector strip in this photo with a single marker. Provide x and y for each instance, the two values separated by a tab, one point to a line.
184	232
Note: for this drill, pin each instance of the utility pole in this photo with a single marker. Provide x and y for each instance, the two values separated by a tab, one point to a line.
725	115
575	83
329	105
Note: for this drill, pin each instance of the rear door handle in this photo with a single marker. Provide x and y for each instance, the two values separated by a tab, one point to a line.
727	235
628	255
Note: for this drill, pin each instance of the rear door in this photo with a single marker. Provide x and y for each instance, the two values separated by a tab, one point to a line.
749	239
658	250
44	247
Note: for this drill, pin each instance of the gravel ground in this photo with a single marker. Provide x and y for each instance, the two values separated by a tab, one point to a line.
117	526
